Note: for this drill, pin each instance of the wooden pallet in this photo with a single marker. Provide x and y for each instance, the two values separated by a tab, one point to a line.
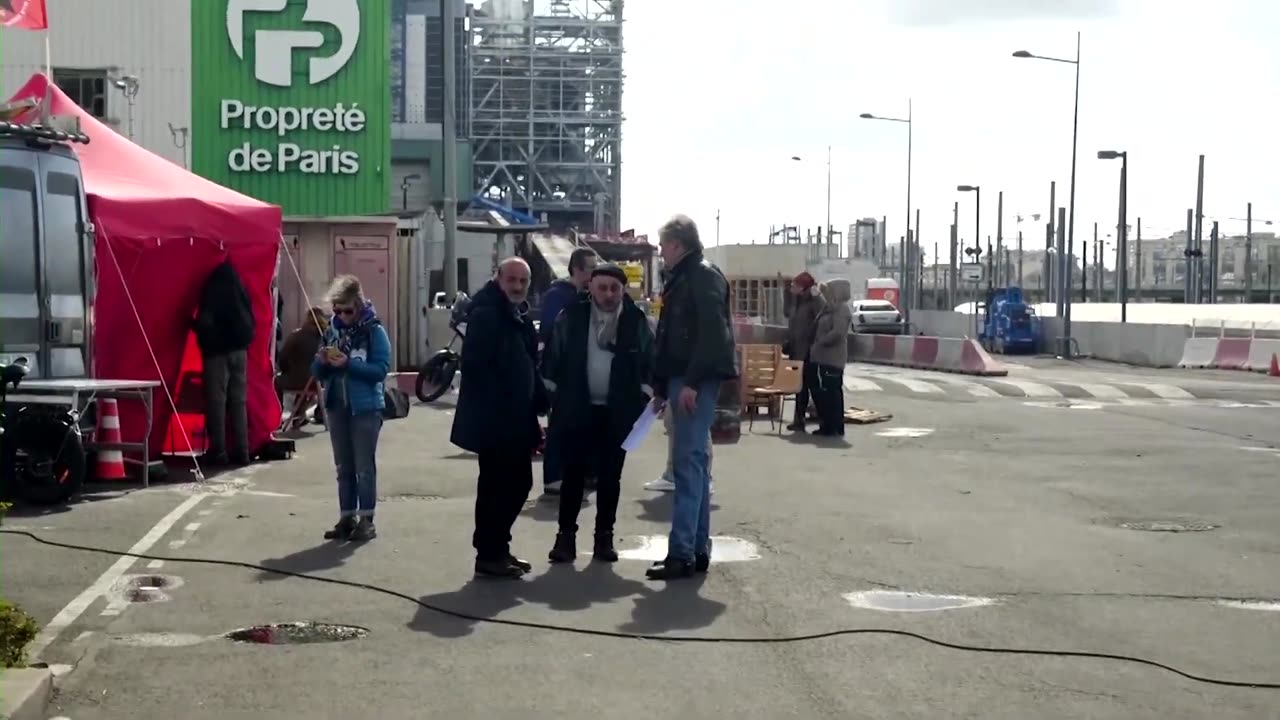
860	416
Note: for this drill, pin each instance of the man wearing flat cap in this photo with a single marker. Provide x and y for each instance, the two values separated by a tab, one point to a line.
599	367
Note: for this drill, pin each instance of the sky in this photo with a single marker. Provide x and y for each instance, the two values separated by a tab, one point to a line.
721	94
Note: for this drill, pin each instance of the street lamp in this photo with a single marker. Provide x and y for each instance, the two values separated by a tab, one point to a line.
405	182
128	86
1071	221
827	230
902	270
1122	249
977	213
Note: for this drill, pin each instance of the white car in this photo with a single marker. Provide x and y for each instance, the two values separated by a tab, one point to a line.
876	316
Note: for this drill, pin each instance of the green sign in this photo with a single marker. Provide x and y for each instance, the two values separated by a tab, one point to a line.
291	99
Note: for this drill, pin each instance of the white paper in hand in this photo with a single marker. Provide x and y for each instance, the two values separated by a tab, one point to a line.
640	430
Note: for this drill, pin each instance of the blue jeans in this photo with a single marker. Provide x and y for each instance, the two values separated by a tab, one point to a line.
690	462
355	448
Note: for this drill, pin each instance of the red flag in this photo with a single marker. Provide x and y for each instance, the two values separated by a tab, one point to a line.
24	14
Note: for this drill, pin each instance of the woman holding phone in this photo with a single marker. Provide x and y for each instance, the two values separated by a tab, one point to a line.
352	365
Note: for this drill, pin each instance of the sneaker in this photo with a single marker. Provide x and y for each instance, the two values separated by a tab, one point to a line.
670	569
365	530
662	484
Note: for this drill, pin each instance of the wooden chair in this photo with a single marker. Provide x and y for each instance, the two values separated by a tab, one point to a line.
757	364
788	379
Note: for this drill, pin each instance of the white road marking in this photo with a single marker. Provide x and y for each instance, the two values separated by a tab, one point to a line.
155	564
972	388
191	527
859	384
1099	390
905	432
175	544
1030	389
918	386
266	493
77	606
1168	392
653	548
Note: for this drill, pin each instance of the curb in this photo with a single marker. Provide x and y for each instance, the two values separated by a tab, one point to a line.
25	693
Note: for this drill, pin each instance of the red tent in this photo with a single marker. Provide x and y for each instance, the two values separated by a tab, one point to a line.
161	231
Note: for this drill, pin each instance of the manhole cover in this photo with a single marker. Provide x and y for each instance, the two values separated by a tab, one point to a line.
1169	526
403	497
300	633
893	601
144	588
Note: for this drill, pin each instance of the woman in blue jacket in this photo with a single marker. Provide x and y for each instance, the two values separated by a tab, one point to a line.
352	365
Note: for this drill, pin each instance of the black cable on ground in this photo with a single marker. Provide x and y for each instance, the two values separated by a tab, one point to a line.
660	638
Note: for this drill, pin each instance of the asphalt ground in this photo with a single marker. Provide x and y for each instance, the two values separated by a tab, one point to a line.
1020	504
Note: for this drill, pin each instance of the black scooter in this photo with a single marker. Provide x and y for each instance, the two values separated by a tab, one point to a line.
42	459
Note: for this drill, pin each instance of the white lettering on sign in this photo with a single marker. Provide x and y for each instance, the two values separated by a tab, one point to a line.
288	156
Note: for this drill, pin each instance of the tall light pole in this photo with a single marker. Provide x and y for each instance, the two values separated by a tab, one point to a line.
977	212
902	269
1122	231
1071	220
827	230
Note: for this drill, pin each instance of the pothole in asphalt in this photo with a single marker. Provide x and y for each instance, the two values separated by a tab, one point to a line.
1264	605
143	588
297	633
653	548
894	601
1168	526
407	497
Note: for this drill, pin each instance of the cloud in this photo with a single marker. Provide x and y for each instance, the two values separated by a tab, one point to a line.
926	13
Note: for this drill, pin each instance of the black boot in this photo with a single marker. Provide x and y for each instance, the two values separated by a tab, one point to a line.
500	569
523	565
670	569
565	550
341	531
364	530
604	551
701	562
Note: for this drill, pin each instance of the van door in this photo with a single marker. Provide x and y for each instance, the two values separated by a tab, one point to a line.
21	312
66	279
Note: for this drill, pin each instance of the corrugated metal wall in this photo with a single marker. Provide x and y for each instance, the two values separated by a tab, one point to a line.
149	39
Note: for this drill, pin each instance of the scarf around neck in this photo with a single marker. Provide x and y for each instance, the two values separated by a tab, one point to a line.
604	326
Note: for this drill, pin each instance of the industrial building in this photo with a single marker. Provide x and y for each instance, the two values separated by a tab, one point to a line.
546	109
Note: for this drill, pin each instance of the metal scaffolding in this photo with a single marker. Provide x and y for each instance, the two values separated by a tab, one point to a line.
546	109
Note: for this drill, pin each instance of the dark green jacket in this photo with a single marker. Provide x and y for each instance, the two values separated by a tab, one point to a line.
695	330
564	363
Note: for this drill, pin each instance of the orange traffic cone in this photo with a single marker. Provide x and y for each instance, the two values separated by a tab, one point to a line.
1275	365
110	462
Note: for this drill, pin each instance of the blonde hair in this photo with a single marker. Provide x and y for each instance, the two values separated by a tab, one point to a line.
345	290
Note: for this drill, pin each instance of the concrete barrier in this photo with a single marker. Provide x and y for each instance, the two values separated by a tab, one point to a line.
958	355
1198	353
1232	353
1260	354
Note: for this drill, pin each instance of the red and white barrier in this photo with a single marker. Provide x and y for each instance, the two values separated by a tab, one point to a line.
958	355
1224	353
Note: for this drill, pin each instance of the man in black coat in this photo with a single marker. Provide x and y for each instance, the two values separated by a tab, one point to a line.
224	328
499	401
599	365
694	354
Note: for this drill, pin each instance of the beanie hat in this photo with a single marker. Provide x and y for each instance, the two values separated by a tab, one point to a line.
804	280
612	271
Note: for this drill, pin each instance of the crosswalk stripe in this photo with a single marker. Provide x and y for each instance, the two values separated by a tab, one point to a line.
972	388
918	386
857	384
1168	392
1101	391
1030	389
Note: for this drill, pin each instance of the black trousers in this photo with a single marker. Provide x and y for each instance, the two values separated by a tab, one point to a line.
506	476
829	396
592	449
807	390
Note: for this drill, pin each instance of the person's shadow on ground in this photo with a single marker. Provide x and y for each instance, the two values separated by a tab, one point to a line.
325	556
657	507
567	588
675	605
